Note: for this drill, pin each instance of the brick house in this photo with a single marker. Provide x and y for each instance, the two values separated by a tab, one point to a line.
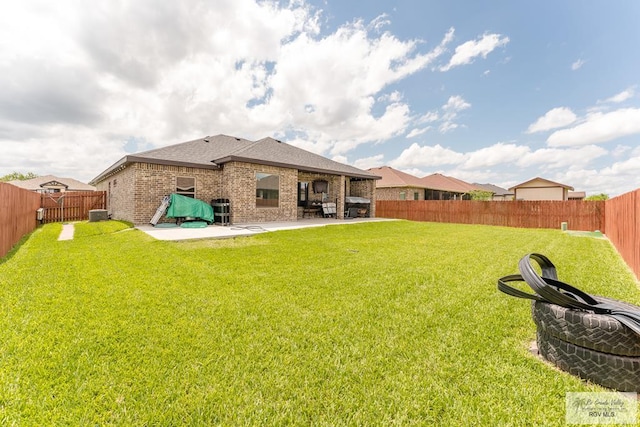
398	185
264	180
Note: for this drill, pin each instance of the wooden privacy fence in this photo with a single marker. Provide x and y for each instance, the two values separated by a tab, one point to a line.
578	214
17	215
623	230
71	206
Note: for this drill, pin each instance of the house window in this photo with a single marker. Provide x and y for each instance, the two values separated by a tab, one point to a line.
403	195
303	193
416	195
267	190
186	186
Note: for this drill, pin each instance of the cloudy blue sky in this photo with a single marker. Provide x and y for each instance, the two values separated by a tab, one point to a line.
486	91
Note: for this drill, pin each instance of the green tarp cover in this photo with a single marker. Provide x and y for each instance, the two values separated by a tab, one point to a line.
182	207
194	224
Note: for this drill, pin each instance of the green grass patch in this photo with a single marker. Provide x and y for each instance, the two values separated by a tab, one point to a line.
362	324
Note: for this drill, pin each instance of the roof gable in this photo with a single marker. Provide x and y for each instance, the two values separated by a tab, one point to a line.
53	183
538	182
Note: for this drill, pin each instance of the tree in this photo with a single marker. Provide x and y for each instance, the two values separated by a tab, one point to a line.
17	176
600	196
480	195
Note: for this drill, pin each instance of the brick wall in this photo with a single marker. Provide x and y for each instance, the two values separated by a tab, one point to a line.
239	182
119	188
366	189
394	193
135	192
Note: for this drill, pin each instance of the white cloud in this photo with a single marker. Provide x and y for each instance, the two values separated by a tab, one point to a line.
369	162
622	96
599	127
394	96
620	151
496	154
171	72
380	22
421	156
553	119
557	158
468	51
454	105
577	64
429	117
618	178
507	164
417	132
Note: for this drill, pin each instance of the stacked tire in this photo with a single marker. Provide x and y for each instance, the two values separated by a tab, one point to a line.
595	347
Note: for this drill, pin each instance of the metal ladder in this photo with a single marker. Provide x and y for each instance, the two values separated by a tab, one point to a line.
166	200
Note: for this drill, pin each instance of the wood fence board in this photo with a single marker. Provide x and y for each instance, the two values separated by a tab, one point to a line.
17	215
71	206
623	230
579	215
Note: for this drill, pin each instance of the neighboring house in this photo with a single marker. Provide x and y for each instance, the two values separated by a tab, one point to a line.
499	193
577	195
397	185
442	187
52	184
265	180
541	189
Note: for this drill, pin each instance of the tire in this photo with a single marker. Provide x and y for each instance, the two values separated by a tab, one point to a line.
620	373
597	332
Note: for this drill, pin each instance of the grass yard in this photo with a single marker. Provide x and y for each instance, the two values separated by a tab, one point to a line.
391	323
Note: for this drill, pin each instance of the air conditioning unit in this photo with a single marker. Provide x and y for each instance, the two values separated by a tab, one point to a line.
96	215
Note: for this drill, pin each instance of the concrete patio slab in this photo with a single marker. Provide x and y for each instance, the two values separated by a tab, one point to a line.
236	230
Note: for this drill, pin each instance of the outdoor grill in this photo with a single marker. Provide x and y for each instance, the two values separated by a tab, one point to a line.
357	207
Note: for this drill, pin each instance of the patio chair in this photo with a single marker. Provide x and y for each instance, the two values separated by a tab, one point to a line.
329	210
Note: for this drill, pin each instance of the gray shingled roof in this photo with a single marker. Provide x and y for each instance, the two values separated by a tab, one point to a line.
197	152
498	191
209	151
270	151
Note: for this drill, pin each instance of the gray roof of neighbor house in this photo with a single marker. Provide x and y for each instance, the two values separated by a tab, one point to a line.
211	151
577	194
498	191
40	182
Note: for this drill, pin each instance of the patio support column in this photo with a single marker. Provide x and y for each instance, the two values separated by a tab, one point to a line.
372	197
341	197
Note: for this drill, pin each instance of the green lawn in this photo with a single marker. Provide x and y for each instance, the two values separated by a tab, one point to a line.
362	324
